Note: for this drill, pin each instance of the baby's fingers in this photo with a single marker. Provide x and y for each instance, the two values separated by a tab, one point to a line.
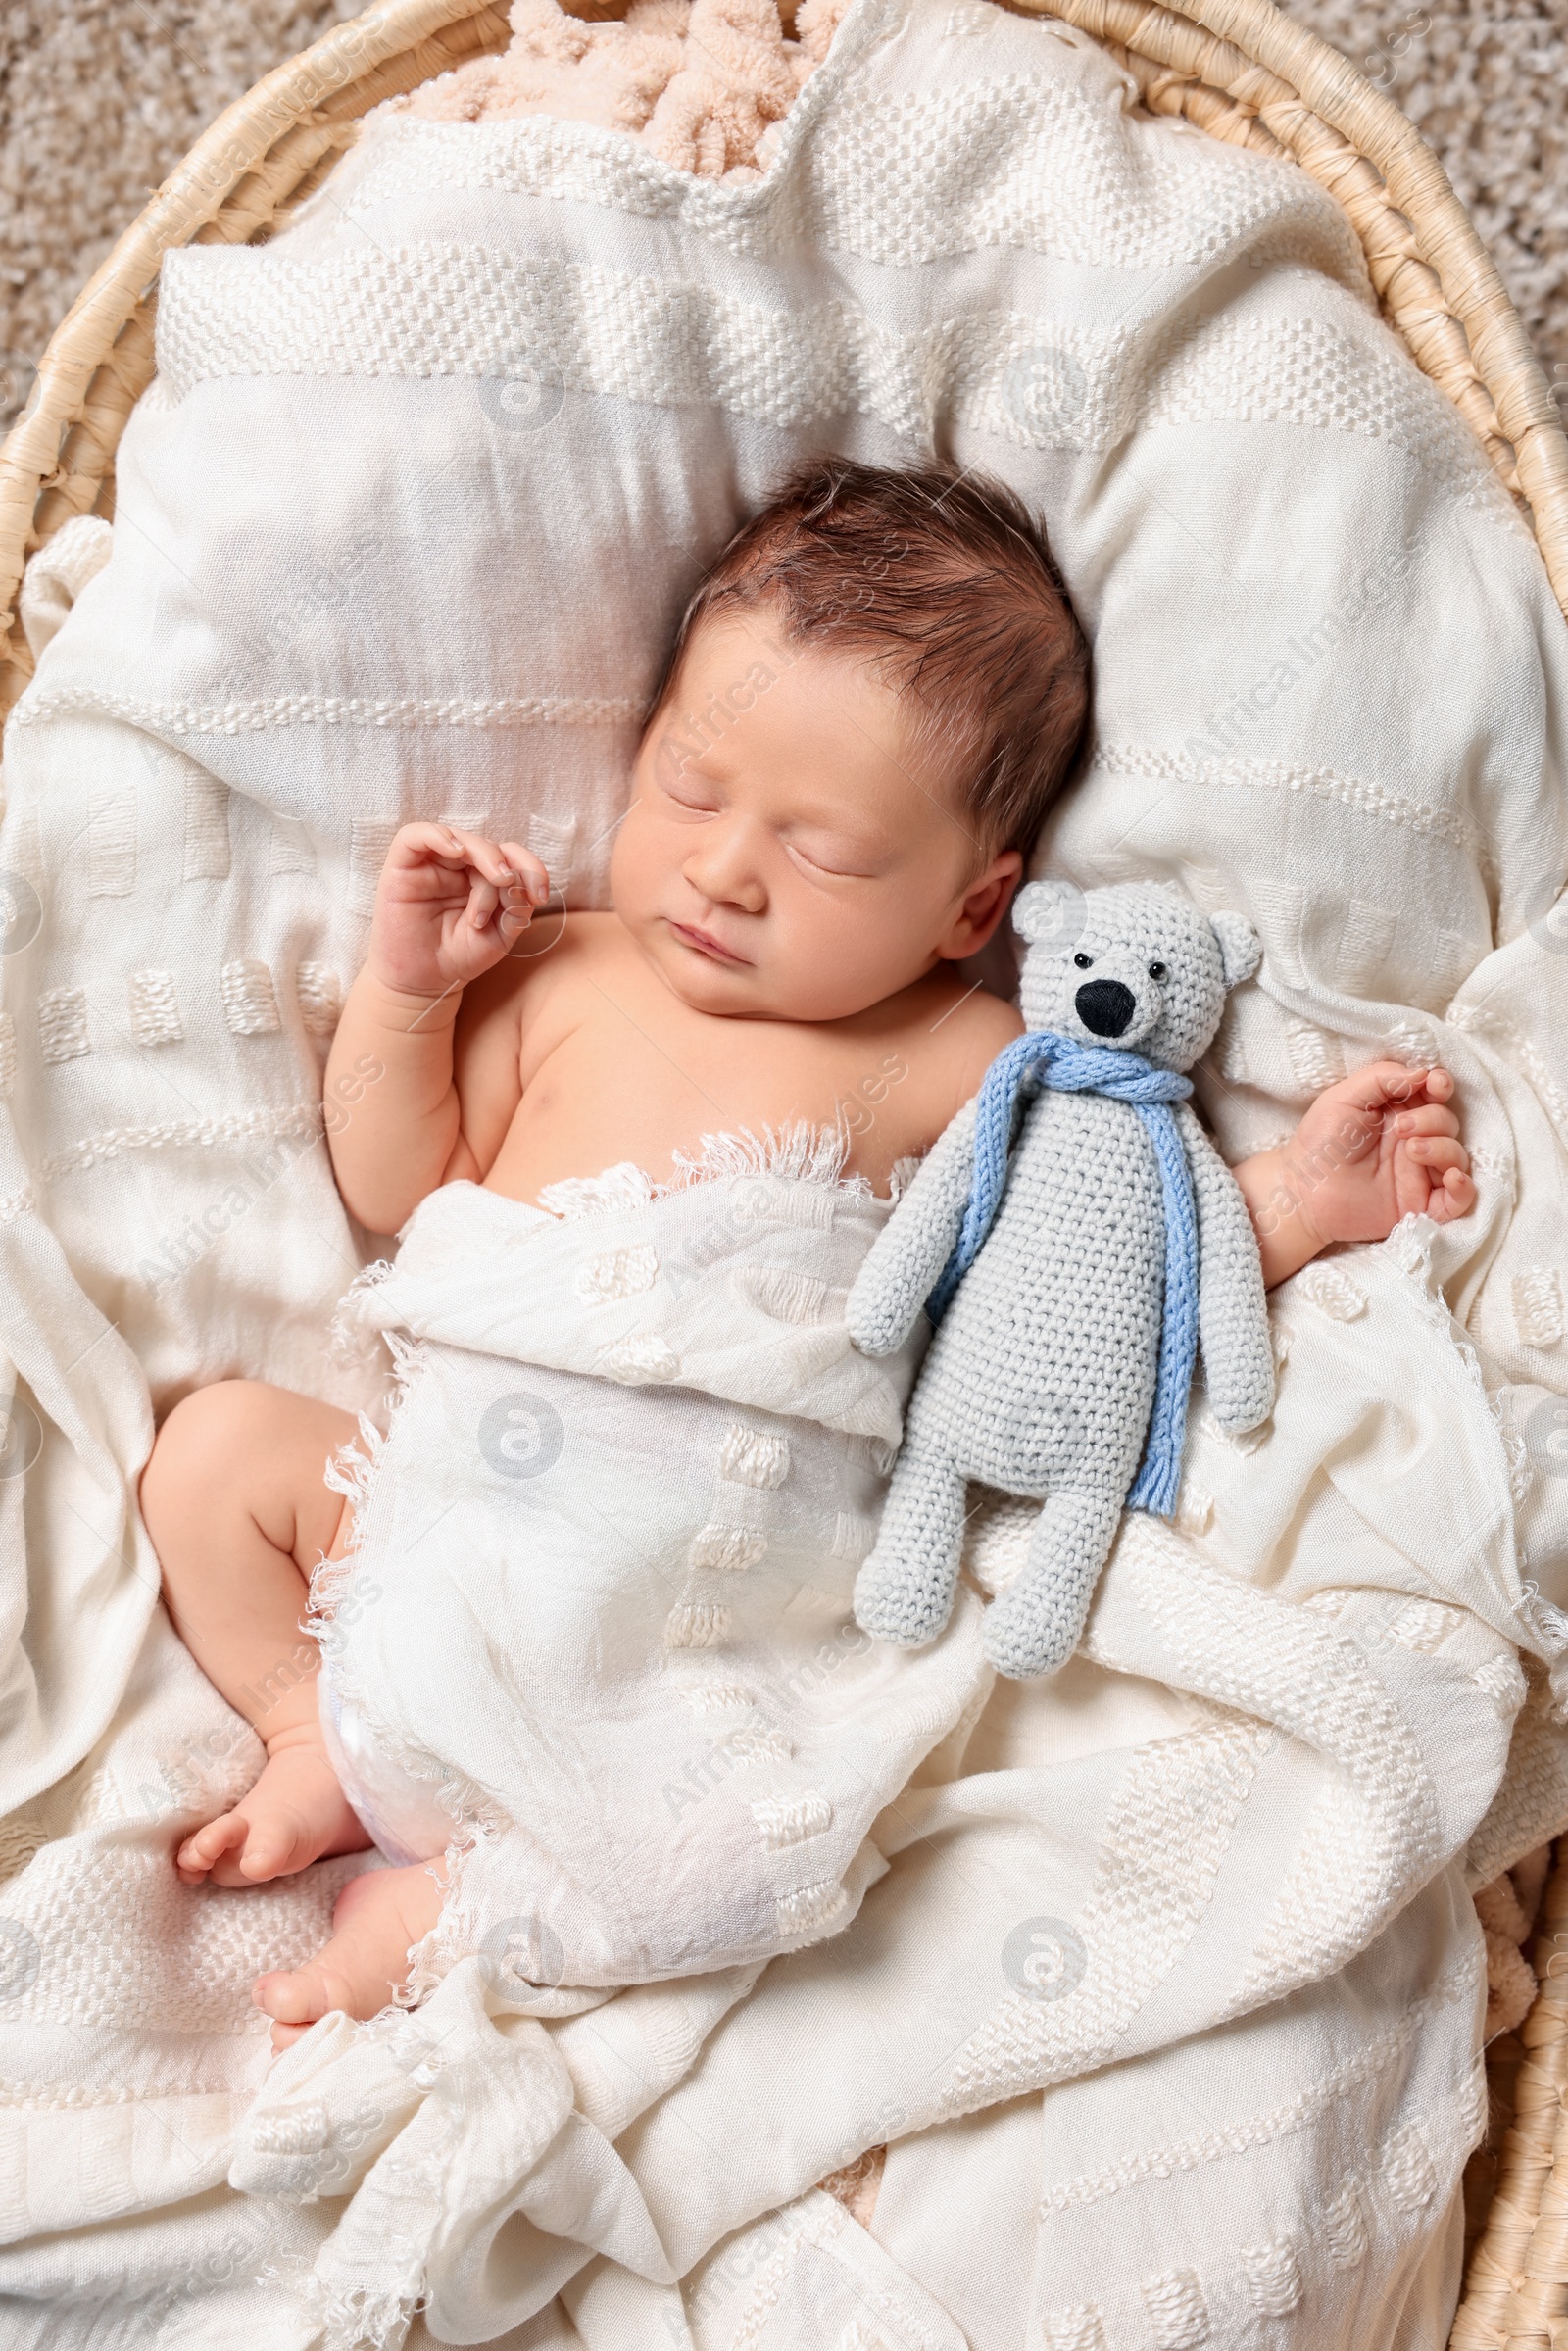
484	898
528	870
415	845
1428	1120
507	877
1381	1083
1457	1198
488	871
1437	1152
1415	1091
1391	1086
484	856
524	894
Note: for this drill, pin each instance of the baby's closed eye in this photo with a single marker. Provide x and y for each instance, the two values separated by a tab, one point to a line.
825	853
691	794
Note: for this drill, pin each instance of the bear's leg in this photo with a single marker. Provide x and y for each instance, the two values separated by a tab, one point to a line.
1033	1627
903	1591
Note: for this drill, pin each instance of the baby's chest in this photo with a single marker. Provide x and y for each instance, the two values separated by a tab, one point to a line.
633	1083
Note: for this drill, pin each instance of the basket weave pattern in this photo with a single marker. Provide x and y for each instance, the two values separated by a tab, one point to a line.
1239	70
1517	2288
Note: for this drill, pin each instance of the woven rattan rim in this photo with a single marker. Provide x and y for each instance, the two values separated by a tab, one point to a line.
1239	70
1516	2289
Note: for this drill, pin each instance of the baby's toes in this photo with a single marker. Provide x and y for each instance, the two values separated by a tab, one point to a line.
296	1998
269	1849
238	1865
199	1852
292	1995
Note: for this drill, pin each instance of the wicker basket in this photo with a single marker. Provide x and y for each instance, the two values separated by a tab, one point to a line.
1238	69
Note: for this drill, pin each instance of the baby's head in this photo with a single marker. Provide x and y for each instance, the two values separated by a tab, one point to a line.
871	703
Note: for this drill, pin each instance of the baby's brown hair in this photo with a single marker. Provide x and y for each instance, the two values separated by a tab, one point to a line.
947	582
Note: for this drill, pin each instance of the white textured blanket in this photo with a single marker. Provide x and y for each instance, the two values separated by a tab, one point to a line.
595	1624
1167	2000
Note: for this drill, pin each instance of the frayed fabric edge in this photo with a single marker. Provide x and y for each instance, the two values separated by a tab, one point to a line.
796	1152
355	2317
433	1958
351	1472
346	1332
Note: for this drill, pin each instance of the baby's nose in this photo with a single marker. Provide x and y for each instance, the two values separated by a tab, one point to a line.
723	869
1104	1006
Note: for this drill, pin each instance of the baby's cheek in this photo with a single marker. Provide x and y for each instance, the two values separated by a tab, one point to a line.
641	856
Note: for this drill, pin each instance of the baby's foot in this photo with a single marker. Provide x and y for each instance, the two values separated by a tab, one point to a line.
378	1918
295	1813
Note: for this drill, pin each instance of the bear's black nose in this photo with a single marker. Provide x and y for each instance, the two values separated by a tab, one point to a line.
1105	1006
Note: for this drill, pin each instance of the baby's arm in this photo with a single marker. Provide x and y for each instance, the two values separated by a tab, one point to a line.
448	908
1380	1146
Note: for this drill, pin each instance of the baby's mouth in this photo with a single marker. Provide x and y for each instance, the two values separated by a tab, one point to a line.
703	942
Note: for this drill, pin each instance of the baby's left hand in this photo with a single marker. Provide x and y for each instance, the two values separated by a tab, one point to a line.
1380	1146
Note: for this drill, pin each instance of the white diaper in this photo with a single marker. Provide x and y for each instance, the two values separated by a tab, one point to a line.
400	1813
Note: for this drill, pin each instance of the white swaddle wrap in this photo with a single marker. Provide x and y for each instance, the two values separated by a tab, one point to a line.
596	1623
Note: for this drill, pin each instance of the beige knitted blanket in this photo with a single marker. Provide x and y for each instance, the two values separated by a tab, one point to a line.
99	101
700	83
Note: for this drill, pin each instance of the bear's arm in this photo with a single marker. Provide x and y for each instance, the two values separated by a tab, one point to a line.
1232	1308
905	1261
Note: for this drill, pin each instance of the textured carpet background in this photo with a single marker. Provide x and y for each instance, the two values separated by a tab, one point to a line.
99	98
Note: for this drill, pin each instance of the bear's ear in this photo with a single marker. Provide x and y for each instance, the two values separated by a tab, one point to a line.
1241	951
1049	914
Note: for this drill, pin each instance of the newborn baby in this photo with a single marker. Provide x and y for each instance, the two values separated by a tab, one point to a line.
871	703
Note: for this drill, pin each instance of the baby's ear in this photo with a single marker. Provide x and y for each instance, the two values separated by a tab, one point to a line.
1241	951
1049	915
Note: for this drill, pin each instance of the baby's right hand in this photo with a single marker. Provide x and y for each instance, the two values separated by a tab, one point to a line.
449	906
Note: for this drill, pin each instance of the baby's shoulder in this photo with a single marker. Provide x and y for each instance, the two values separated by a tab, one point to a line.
968	1026
946	1033
557	951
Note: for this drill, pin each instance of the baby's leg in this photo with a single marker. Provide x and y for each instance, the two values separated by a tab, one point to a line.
379	1919
239	1512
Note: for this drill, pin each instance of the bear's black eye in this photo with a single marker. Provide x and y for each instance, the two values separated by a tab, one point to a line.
1083	961
1156	971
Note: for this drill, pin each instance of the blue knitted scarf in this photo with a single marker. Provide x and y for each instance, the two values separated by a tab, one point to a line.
1126	1077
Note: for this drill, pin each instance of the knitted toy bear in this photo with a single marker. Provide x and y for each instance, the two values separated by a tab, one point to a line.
1080	1274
